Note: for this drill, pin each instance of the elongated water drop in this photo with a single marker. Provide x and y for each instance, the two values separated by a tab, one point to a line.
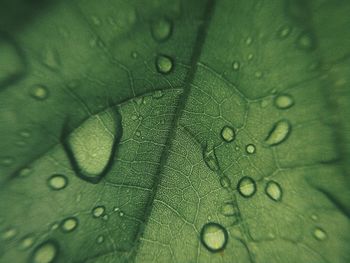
161	29
46	252
274	191
210	158
164	64
319	234
279	133
228	134
284	101
246	186
9	233
91	147
69	224
214	237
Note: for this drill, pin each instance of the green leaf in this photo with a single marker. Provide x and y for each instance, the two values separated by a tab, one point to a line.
174	131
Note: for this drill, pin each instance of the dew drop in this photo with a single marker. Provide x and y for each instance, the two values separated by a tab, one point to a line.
91	147
250	56
24	172
214	237
161	29
24	134
98	211
228	134
236	65
228	209
306	41
12	65
319	234
248	41
51	59
164	64
284	31
7	161
9	233
100	239
105	217
69	224
26	242
46	252
283	101
279	133
57	181
225	182
39	92
250	148
246	186
134	54
273	191
210	158
258	74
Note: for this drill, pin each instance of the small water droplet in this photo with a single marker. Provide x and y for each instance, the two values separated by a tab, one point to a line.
134	117
248	41
210	158
138	133
96	21
161	29
306	41
54	226
100	239
69	224
214	237
46	252
228	209
279	133
26	242
7	161
91	147
319	234
258	74
134	54
98	211
24	172
250	56
225	182
250	148
236	65
51	59
283	101
228	134
164	64
57	181
246	186
274	191
314	217
121	213
9	233
284	31
105	217
24	134
39	92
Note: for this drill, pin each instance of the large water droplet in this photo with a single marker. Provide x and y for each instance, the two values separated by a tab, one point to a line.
214	237
69	224
39	92
91	147
164	64
279	133
250	148
57	181
210	158
246	186
12	65
319	234
98	211
46	252
274	191
228	134
284	101
161	29
306	41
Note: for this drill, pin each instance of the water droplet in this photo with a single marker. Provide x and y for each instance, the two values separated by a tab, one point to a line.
54	226
121	213
51	59
236	65
91	147
134	54
284	31
161	29
314	217
100	239
210	159
26	242
46	252
320	234
9	233
248	41
228	209
39	92
57	181
306	41
69	224
24	172
158	94
12	65
96	21
7	161
98	211
258	74
228	134
250	56
164	64
246	186
284	101
274	191
105	217
225	182
24	134
214	237
138	133
279	133
250	148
